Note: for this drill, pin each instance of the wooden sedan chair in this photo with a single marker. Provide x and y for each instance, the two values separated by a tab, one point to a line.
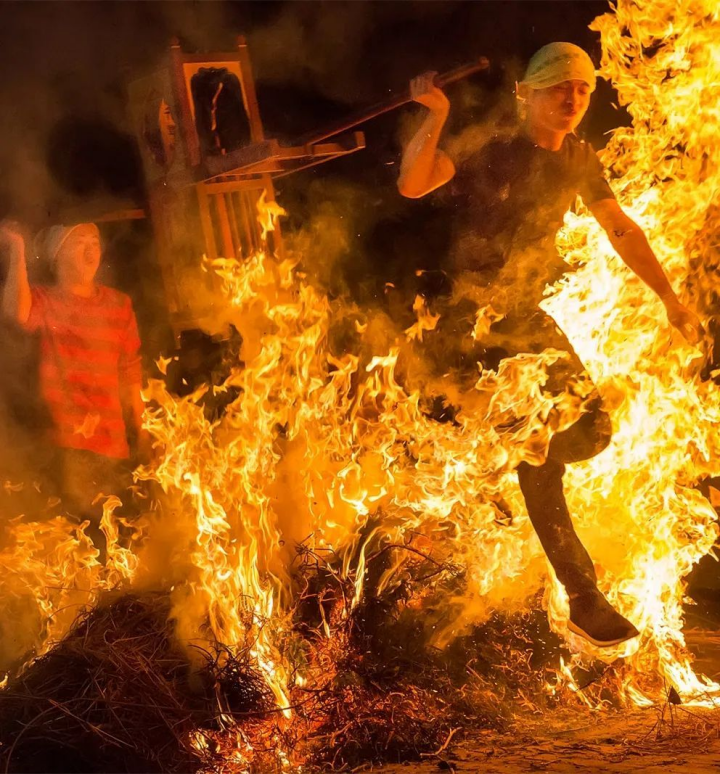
207	162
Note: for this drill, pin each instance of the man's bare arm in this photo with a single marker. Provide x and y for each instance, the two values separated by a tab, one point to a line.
632	246
16	298
423	167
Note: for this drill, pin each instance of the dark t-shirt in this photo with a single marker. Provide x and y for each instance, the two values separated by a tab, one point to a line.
512	196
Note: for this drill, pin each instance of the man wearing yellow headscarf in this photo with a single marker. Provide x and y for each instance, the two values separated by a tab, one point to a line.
510	199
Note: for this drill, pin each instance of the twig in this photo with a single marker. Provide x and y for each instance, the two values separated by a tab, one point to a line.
452	733
405	548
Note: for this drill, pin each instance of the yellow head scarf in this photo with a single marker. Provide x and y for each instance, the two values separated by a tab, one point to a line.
558	62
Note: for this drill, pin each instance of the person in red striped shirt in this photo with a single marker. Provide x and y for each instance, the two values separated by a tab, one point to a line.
90	372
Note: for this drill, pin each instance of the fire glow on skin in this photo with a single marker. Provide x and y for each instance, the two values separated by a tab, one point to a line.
78	260
554	112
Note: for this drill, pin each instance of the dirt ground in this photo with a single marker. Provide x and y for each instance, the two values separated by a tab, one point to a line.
668	739
582	740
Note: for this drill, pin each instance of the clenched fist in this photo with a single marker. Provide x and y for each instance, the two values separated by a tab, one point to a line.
685	321
11	237
424	91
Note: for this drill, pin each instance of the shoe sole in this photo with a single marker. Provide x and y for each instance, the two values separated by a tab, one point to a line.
575	629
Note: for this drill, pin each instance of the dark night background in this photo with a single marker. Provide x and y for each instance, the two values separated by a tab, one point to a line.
65	67
67	140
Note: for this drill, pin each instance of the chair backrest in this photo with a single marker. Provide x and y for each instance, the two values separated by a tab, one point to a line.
196	108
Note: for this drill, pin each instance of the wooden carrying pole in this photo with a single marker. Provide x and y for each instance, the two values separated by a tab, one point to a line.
394	102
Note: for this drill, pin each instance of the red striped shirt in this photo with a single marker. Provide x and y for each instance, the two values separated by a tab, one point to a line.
89	350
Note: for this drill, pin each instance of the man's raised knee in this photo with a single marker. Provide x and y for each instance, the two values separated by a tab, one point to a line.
584	439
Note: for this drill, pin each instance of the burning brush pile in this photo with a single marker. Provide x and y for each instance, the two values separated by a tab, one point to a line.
330	576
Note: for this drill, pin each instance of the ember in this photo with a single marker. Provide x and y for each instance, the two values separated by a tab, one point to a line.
325	575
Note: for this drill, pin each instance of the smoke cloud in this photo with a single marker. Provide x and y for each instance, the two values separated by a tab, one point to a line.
68	142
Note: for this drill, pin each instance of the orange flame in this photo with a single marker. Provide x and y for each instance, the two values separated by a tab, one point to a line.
331	451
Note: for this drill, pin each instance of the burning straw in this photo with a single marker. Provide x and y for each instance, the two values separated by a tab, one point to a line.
121	693
418	565
118	693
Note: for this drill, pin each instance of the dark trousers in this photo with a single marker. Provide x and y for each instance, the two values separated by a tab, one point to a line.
542	488
451	349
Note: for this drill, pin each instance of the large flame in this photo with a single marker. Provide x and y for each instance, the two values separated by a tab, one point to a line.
329	449
645	522
322	445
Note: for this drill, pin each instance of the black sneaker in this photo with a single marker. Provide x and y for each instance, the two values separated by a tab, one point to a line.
595	619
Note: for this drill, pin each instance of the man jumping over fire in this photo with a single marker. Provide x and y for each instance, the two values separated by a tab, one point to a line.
511	197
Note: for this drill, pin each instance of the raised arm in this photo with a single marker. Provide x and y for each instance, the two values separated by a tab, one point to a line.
632	246
16	299
425	168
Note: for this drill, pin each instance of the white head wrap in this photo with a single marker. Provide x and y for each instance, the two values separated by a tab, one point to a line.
558	62
52	239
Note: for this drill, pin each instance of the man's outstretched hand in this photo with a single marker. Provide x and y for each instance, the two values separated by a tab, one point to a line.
685	321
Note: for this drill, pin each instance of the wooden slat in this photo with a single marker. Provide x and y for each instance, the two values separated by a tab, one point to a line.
136	214
240	158
276	240
244	222
207	223
232	219
187	125
224	226
252	108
